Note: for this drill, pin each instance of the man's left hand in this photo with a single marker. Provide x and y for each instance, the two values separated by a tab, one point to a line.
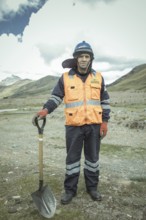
103	129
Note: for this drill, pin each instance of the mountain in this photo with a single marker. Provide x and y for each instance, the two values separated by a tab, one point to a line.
9	80
6	91
38	87
134	80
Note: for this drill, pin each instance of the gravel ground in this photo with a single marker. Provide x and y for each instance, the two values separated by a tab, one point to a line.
122	164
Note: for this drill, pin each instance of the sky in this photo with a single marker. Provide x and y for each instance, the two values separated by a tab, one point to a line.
36	36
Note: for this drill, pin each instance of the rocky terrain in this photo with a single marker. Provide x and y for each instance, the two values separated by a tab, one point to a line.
122	161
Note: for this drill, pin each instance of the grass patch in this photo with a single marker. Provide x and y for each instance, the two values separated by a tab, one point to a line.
123	151
111	149
138	179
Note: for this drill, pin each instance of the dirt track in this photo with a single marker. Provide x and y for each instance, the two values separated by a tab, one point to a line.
122	159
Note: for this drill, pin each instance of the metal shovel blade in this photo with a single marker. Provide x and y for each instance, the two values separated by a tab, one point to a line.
45	201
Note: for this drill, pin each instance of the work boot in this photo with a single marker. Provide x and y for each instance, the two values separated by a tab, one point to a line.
95	195
67	197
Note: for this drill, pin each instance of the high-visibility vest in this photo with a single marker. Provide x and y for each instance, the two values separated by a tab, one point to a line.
82	99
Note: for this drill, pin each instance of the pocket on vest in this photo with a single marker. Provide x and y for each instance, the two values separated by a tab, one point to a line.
95	91
72	93
98	115
72	117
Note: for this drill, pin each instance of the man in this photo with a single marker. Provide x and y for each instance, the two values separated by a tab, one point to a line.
87	113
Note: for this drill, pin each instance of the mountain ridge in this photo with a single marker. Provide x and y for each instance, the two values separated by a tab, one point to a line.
134	80
7	91
41	86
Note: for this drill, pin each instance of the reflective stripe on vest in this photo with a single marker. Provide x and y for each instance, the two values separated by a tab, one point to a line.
76	104
82	100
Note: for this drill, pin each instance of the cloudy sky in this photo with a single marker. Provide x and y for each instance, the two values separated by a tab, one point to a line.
37	35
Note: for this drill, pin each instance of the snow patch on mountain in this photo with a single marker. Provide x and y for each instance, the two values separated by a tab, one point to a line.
10	80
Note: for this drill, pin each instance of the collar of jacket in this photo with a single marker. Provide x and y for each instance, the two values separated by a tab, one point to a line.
73	72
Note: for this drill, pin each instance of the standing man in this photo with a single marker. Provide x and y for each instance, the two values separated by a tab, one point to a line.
87	113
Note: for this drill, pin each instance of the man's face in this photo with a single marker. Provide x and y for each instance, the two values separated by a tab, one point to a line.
83	61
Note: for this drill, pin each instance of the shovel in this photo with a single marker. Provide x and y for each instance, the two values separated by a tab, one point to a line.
43	197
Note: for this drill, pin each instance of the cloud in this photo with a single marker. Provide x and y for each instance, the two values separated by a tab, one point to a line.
113	67
92	2
118	63
48	53
102	61
14	20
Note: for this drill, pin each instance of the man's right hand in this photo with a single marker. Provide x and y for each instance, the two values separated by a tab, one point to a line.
40	115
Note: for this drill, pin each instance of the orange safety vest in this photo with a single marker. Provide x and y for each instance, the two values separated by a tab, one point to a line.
82	99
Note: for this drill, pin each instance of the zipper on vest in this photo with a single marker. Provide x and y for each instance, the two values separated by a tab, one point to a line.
85	106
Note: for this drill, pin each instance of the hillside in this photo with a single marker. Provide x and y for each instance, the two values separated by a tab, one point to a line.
41	86
134	80
6	91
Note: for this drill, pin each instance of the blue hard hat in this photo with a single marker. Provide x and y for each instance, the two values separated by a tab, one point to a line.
83	47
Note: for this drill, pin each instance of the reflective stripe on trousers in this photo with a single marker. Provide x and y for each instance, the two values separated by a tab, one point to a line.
93	167
73	168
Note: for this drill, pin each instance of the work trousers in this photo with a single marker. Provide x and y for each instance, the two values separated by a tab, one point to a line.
85	137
